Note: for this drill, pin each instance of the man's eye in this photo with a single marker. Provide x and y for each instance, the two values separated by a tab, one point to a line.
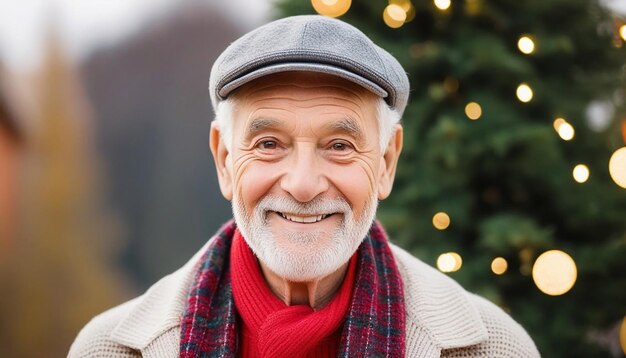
340	146
268	144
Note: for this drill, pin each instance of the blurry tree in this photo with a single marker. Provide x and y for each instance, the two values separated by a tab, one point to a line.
59	273
493	162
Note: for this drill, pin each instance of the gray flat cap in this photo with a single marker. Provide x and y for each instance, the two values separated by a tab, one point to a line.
310	43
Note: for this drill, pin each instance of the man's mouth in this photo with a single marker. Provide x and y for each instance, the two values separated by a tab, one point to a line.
303	219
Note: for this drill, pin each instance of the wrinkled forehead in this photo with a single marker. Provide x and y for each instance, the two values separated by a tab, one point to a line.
304	86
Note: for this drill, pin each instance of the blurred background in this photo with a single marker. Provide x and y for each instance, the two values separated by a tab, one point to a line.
512	180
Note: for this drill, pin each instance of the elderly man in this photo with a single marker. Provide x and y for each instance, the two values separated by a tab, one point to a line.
306	141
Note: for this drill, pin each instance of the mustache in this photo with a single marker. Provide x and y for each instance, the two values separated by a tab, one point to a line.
318	206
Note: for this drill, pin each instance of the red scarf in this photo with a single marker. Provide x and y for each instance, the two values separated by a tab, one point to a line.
273	329
373	325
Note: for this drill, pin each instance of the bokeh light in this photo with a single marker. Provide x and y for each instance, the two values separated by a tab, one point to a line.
617	167
332	8
408	8
499	265
526	45
554	272
441	220
442	4
566	131
524	93
449	262
580	173
450	84
622	32
473	111
394	16
557	123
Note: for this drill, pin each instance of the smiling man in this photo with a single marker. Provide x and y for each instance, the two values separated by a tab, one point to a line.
306	141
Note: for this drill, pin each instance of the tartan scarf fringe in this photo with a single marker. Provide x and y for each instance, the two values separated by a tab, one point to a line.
373	327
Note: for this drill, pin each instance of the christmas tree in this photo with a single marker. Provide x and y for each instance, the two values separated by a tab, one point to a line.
515	110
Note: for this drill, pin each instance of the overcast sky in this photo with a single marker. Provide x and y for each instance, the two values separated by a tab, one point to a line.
85	24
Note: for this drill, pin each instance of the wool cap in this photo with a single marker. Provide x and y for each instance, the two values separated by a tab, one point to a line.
310	43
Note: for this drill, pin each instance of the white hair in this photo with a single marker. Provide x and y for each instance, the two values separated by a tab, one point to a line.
310	255
387	120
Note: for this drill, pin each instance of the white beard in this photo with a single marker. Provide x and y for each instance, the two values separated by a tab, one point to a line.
304	260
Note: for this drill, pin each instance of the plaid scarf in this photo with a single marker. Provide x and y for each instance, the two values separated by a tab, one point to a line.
374	325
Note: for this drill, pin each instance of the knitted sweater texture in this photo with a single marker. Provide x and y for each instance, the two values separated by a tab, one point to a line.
442	319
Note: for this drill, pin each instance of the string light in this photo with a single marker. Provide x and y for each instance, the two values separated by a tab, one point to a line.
441	221
622	32
566	131
408	8
580	173
332	8
442	4
394	16
473	111
449	262
557	123
617	167
526	45
524	93
499	265
554	272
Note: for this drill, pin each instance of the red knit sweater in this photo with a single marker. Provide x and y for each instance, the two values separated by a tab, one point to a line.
270	328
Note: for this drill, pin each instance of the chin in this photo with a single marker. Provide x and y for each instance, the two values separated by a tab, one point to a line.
298	255
304	264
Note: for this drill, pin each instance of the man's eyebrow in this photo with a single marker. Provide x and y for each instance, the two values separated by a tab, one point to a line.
260	124
347	125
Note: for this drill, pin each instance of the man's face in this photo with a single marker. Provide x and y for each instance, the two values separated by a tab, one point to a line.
305	171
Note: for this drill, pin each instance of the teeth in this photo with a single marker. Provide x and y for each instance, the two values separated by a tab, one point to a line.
303	219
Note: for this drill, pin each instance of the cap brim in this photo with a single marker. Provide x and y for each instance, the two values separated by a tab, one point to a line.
301	66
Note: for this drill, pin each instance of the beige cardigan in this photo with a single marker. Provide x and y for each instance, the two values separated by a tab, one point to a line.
442	319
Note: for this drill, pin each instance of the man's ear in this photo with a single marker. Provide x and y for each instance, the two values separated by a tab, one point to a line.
222	162
389	163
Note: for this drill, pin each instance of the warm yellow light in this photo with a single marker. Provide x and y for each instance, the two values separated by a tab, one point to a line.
410	12
554	272
441	221
524	93
473	111
622	335
499	265
566	131
450	84
442	4
332	8
394	16
404	4
526	45
449	262
557	123
622	32
580	173
617	167
472	7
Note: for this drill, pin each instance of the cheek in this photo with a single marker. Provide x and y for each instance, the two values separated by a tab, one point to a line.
356	182
253	180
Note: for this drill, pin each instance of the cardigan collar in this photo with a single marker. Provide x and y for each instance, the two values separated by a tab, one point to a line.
439	313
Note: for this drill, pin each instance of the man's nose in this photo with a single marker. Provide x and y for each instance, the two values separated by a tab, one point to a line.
305	178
